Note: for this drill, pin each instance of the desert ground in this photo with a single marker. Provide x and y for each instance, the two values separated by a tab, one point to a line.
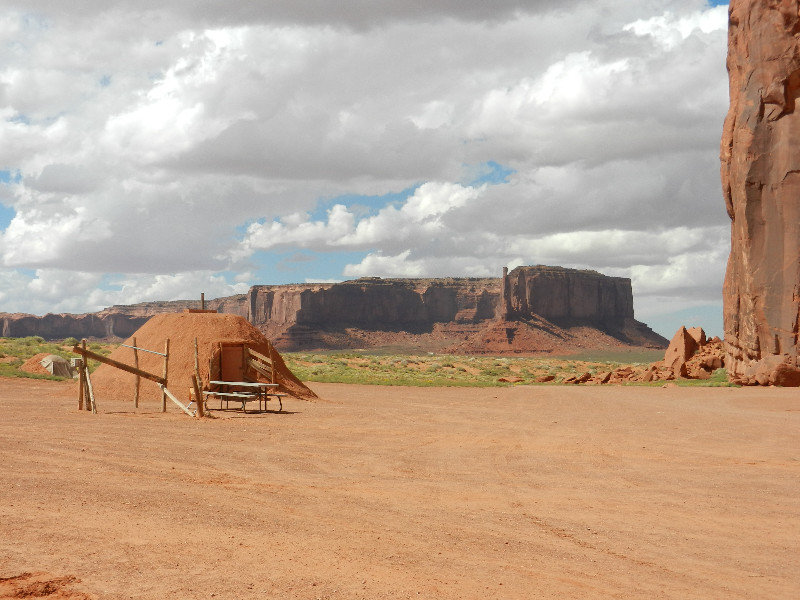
399	492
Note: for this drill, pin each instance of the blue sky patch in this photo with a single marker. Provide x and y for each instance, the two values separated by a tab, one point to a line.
297	266
362	206
709	317
10	177
6	212
492	173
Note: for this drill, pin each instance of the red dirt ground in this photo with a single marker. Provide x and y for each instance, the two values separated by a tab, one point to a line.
380	492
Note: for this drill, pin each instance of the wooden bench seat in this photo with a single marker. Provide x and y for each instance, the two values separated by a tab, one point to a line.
245	396
226	397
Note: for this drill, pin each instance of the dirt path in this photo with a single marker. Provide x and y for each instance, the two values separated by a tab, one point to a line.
526	492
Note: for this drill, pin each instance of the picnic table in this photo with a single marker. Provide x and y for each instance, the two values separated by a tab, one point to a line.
244	392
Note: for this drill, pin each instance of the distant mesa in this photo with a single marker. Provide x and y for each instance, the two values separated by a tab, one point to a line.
530	309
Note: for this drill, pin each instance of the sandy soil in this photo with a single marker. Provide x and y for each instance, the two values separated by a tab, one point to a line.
524	492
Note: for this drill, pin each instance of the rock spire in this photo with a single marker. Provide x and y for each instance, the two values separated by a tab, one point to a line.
760	170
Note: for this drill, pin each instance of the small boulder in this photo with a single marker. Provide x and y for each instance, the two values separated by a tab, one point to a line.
765	367
681	348
785	375
698	335
697	372
711	363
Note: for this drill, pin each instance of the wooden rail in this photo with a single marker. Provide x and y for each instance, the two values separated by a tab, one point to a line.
114	363
261	365
180	404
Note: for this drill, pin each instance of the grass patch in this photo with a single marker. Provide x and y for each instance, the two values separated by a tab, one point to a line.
626	357
15	351
433	370
719	378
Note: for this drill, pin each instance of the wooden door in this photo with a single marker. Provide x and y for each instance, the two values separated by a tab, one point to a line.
232	362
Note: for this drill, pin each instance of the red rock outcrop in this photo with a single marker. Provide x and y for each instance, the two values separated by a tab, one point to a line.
690	355
760	170
681	348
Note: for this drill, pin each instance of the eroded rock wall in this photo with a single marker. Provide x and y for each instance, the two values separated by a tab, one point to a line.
374	311
107	325
760	171
560	294
375	303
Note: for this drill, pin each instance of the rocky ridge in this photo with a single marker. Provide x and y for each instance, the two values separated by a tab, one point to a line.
551	309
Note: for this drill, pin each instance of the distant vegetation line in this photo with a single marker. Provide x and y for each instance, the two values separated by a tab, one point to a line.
378	368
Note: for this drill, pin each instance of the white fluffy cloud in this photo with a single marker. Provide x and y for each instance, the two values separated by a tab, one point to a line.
151	149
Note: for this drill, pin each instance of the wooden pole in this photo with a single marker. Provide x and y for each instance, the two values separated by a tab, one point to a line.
272	362
197	366
198	396
81	385
87	405
83	374
196	360
87	354
202	301
175	400
138	377
91	391
164	387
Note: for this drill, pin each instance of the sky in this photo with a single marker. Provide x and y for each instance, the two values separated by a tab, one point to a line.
154	151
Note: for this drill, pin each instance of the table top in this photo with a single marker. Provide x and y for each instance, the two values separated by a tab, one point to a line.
244	384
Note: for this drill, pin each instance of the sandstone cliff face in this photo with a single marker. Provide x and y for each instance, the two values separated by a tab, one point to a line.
375	303
434	313
294	315
114	322
760	170
96	325
559	294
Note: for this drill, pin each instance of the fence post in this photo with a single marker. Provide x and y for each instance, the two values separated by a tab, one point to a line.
198	396
81	384
138	379
166	367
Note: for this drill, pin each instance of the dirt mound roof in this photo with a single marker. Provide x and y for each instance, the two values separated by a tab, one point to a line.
34	365
210	329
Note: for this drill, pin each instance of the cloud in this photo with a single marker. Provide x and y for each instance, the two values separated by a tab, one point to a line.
349	13
161	146
57	290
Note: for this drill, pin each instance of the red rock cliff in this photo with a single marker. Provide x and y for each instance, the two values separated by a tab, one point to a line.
352	313
760	169
559	294
373	302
